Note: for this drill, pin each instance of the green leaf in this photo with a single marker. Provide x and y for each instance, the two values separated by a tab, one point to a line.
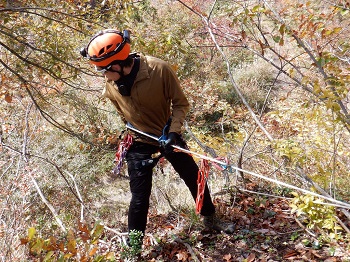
97	232
344	12
257	9
38	246
276	38
48	256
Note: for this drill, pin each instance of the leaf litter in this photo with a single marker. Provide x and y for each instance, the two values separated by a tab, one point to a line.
265	231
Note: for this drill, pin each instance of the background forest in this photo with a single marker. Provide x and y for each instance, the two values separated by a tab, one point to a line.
268	83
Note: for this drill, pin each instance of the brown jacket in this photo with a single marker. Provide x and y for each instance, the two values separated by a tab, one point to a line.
155	96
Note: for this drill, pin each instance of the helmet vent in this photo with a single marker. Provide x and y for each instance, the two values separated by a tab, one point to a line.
101	52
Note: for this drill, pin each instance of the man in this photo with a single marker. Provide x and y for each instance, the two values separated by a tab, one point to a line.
147	95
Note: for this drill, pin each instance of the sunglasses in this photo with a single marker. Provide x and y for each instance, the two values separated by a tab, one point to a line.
103	69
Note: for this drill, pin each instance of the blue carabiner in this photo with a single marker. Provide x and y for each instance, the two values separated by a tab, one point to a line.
165	132
164	135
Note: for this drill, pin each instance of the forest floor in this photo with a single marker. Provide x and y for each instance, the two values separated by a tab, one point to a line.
265	230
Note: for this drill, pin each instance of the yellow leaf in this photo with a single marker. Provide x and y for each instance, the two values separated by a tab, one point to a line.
31	233
110	256
93	251
71	247
294	208
281	43
337	30
295	193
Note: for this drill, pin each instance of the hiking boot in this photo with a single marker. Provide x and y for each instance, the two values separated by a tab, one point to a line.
213	222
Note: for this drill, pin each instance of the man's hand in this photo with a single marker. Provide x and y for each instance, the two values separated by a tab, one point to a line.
168	143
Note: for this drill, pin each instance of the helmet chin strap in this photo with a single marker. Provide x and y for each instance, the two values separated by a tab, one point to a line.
121	72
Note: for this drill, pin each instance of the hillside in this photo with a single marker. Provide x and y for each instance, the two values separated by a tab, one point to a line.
268	85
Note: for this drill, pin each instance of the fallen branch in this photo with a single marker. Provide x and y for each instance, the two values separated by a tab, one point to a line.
206	148
304	228
189	248
80	198
53	211
343	225
167	198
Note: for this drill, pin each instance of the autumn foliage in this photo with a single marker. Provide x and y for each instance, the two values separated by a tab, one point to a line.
268	83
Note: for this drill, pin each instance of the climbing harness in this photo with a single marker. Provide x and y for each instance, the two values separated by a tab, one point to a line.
203	174
127	142
121	153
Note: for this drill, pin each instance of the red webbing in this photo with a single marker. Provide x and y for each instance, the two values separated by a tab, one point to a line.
203	174
121	152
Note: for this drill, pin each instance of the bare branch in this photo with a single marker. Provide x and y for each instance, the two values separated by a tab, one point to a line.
315	62
25	43
47	203
51	10
37	65
268	135
79	195
44	114
235	86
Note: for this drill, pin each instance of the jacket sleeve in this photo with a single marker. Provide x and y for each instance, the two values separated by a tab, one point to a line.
179	102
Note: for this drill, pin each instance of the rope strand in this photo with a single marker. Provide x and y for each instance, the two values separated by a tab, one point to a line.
230	167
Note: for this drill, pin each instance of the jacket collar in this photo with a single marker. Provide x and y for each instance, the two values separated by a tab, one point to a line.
144	71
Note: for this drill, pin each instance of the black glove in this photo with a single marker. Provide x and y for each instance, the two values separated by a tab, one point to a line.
169	142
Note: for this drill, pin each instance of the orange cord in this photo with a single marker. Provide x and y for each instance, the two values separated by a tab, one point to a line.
203	174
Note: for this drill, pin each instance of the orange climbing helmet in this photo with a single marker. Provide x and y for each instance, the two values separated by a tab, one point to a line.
106	47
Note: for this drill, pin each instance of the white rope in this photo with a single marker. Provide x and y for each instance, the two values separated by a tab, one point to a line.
339	203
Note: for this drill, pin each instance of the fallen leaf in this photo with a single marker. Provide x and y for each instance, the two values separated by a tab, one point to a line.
228	257
93	251
182	256
8	98
290	254
330	259
263	230
316	254
251	257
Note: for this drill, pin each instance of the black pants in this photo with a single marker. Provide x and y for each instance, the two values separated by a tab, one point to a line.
141	182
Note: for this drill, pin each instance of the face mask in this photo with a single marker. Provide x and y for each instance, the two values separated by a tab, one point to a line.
124	90
125	83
